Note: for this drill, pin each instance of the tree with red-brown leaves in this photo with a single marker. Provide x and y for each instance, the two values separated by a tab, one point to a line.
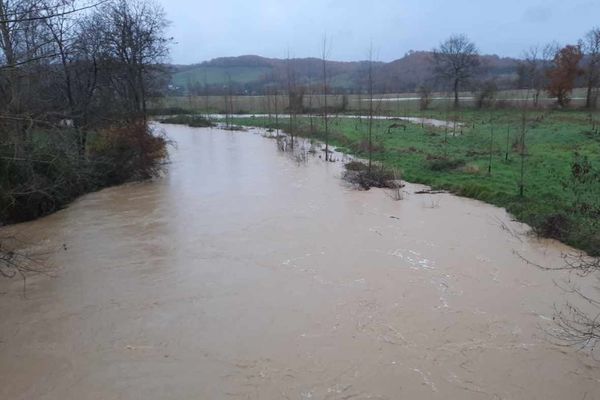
565	69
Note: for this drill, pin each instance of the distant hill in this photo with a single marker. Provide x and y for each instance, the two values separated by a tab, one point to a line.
251	74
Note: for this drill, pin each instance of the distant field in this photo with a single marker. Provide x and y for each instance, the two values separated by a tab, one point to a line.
219	75
390	104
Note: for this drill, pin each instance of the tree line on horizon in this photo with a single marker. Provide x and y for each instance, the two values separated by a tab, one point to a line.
455	65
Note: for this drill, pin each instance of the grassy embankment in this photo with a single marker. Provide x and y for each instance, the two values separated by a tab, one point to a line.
561	159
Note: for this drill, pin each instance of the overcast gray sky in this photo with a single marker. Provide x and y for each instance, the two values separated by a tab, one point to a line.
207	29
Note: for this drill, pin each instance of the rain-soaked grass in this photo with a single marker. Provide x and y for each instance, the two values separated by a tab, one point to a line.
561	196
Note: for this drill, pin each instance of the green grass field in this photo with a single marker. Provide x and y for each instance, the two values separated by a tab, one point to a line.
561	162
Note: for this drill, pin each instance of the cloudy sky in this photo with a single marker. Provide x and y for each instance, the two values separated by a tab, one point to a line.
207	29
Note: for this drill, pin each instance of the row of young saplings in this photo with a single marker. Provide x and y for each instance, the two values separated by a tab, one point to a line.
360	174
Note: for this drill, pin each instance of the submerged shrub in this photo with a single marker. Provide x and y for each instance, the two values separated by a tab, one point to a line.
128	152
555	226
358	173
356	166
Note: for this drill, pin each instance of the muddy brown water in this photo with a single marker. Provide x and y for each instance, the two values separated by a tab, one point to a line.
243	274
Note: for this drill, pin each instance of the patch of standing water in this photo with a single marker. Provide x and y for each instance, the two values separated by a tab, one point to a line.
415	120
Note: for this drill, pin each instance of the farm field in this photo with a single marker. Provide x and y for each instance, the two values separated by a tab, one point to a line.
389	104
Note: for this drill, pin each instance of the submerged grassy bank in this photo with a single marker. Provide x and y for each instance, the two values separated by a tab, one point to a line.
560	160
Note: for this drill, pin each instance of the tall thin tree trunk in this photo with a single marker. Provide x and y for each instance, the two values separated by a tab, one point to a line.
456	93
325	99
370	133
522	153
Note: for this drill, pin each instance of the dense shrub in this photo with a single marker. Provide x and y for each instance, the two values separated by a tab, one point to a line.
444	164
378	176
53	173
555	226
128	152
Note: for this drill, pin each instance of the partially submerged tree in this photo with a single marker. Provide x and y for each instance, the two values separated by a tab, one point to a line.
293	97
522	149
370	87
563	73
456	61
578	320
227	102
324	53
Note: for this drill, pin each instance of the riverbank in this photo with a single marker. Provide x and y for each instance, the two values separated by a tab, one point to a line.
559	161
59	166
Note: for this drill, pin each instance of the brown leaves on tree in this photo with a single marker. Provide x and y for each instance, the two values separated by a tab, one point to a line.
563	73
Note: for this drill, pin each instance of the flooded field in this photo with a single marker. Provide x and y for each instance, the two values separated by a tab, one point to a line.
414	120
245	274
395	103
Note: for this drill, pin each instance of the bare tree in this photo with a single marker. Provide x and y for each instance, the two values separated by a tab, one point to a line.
370	86
507	152
491	145
324	53
134	34
590	46
78	49
578	320
205	93
456	61
291	90
532	71
311	93
69	67
227	92
523	149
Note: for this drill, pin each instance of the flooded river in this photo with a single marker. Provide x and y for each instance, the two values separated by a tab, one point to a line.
244	274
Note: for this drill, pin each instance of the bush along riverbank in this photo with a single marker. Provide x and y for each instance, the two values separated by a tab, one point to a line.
543	166
76	121
54	172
